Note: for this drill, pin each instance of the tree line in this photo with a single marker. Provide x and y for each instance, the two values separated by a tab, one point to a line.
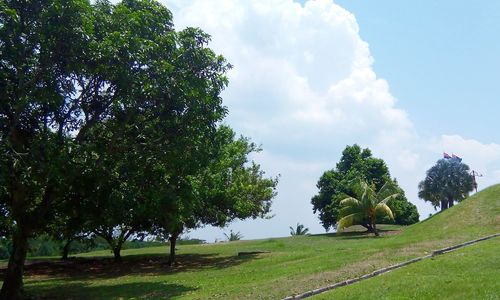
111	124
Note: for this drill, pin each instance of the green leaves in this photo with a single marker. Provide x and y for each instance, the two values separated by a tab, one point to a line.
358	164
367	204
447	181
300	229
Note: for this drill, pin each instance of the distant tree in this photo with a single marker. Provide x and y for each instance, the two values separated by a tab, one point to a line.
299	230
447	181
365	206
358	164
233	236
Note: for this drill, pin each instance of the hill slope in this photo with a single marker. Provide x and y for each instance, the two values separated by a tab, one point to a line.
468	273
294	264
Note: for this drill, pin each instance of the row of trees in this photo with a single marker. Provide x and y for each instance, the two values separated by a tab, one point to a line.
358	172
110	124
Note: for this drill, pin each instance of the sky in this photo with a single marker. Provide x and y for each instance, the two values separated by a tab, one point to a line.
407	79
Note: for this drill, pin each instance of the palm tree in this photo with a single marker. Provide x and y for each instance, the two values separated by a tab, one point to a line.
233	236
446	182
299	230
364	208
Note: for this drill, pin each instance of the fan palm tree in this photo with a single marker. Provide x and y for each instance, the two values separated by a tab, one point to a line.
364	208
299	230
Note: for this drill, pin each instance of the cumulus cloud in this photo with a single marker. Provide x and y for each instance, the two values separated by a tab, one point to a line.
302	72
303	85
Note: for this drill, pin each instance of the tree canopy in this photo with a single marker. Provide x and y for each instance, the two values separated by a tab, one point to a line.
358	164
447	181
230	187
108	112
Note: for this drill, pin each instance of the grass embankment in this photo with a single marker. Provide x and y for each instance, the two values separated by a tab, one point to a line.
468	273
294	264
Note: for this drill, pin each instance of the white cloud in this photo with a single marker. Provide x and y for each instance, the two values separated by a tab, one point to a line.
303	85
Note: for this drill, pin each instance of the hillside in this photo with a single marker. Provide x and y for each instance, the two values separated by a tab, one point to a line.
468	273
293	264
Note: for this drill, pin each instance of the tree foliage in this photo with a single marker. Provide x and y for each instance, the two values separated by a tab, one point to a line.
103	108
447	181
233	236
366	206
357	164
230	187
299	229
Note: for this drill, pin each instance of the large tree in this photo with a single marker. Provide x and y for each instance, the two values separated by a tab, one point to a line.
447	181
358	164
70	69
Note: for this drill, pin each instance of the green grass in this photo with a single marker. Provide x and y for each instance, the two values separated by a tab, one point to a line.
468	273
294	264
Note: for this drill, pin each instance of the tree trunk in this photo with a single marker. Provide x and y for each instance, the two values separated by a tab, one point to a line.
116	253
444	204
66	249
450	202
375	231
173	240
12	287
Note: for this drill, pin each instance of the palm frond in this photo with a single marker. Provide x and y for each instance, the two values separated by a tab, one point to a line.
349	220
347	210
349	201
384	209
393	196
385	188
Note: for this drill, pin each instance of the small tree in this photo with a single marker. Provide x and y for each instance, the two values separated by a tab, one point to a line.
446	182
233	236
230	187
300	229
364	208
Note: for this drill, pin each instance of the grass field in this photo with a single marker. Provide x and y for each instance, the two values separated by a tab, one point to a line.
293	264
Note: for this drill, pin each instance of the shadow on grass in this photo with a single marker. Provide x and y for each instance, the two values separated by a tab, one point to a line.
79	278
91	268
138	290
358	234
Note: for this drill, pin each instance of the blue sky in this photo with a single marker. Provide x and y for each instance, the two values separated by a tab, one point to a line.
440	58
407	79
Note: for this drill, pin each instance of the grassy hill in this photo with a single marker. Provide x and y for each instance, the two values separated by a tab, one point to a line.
293	264
468	273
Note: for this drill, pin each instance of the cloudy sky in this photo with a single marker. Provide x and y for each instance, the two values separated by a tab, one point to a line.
409	80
